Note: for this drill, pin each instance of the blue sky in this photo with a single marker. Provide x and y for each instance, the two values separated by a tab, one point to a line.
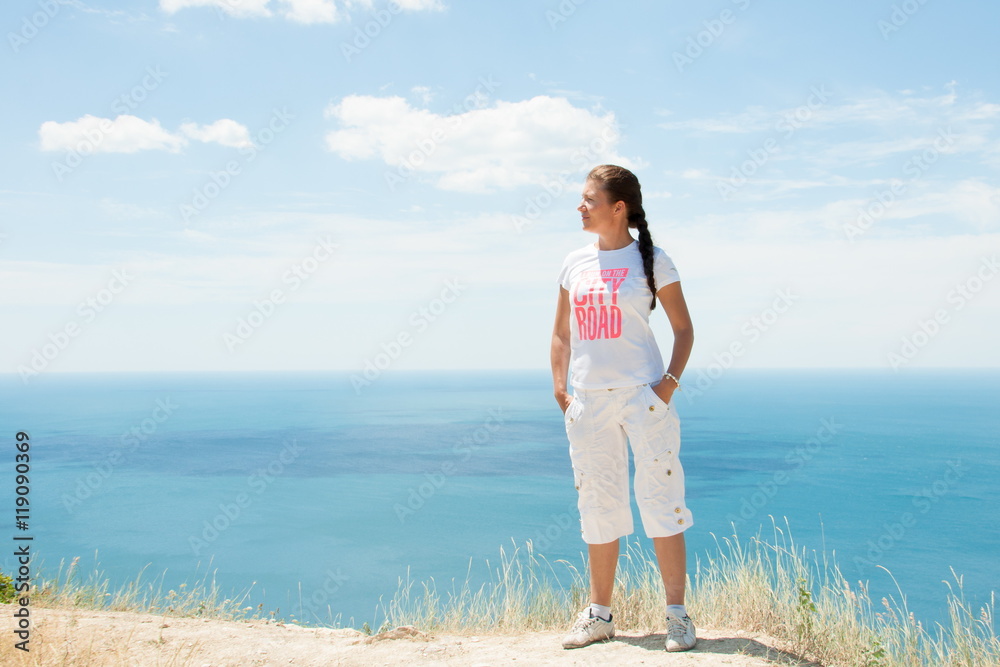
319	184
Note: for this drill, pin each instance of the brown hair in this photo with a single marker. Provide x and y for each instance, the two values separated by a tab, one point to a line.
621	185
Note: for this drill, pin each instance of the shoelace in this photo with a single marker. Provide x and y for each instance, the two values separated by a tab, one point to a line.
676	627
584	622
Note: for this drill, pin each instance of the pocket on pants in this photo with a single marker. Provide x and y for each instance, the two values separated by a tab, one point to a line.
573	413
660	481
655	404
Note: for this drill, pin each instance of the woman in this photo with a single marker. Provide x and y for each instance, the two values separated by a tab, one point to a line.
622	396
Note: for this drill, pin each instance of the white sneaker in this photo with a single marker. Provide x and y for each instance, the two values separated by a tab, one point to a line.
588	629
680	633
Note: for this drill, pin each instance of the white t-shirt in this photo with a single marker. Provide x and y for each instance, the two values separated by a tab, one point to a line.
611	342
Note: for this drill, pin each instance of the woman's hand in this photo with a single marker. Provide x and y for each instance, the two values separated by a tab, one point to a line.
672	299
564	398
665	389
561	351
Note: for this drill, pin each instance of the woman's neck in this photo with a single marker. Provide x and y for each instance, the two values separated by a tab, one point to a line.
615	242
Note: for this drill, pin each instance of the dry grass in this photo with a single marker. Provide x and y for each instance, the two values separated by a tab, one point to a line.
202	598
58	644
767	586
807	601
61	646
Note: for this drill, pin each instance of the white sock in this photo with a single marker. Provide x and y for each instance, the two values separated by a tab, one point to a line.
600	611
677	610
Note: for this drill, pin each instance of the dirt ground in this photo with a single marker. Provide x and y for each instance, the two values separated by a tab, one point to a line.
88	638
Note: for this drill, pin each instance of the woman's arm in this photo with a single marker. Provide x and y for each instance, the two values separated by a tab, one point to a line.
672	299
560	350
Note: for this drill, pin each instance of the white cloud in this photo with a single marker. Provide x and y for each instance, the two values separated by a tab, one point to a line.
753	119
129	134
933	210
119	210
113	15
225	131
823	109
507	145
124	134
969	205
855	148
424	93
311	11
300	11
235	8
853	302
420	5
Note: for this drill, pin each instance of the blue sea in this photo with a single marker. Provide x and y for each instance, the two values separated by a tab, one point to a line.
318	496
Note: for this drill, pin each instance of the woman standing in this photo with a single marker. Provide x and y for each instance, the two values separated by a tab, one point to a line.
622	396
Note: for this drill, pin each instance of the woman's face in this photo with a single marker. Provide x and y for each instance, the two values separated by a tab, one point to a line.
596	211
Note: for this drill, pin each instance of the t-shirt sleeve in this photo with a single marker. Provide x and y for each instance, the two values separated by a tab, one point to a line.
564	274
664	270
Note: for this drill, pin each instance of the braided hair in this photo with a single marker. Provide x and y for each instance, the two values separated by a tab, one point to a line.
622	185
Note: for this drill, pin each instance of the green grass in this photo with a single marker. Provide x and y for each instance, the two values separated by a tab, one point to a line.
69	588
8	592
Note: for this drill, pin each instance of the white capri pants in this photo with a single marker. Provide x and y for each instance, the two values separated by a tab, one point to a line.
601	424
